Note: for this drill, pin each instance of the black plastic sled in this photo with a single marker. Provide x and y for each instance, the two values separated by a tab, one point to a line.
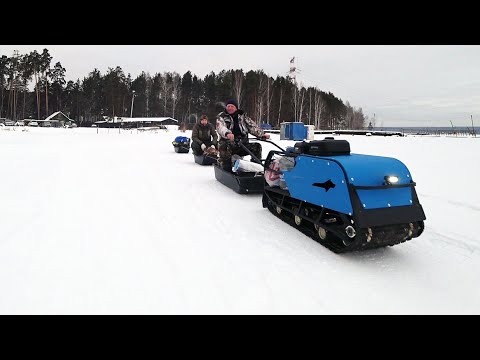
205	159
181	149
241	182
247	182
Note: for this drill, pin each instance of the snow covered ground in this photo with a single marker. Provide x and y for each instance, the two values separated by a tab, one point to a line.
118	223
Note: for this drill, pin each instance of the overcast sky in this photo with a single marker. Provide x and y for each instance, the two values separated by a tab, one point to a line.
403	85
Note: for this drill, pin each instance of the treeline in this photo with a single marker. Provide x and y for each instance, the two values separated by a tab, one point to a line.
183	97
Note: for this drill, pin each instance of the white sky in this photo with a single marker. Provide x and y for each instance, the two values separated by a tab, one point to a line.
403	85
113	223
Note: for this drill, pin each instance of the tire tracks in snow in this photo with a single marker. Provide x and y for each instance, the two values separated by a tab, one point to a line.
451	202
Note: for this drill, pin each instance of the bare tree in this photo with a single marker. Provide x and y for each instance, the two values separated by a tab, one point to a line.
26	75
238	86
260	99
35	61
269	97
359	119
45	60
165	87
4	61
310	106
10	92
349	116
318	108
297	101
12	98
176	91
300	107
148	90
280	104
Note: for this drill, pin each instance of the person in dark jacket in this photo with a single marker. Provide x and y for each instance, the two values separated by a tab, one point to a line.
204	136
232	124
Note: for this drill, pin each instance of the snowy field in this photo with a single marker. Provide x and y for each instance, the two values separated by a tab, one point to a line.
114	223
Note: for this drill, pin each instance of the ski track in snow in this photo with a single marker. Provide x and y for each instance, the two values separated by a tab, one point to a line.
444	199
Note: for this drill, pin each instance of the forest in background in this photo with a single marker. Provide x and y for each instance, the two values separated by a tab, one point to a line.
34	87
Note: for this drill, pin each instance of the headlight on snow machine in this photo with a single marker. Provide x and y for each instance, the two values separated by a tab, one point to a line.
391	179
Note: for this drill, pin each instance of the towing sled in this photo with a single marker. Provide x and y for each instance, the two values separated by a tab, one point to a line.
209	157
243	182
346	202
181	144
205	159
240	182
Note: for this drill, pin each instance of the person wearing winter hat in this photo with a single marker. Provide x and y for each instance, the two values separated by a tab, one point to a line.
233	123
231	102
204	136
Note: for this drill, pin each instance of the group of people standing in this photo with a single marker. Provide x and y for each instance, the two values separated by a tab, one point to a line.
231	124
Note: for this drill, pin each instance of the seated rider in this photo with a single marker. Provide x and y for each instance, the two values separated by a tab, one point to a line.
232	123
204	136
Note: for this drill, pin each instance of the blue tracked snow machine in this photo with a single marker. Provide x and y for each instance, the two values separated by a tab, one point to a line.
345	201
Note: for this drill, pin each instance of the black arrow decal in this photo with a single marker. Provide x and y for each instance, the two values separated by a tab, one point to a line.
327	185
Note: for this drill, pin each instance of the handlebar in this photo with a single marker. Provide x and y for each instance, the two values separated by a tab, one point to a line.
238	141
